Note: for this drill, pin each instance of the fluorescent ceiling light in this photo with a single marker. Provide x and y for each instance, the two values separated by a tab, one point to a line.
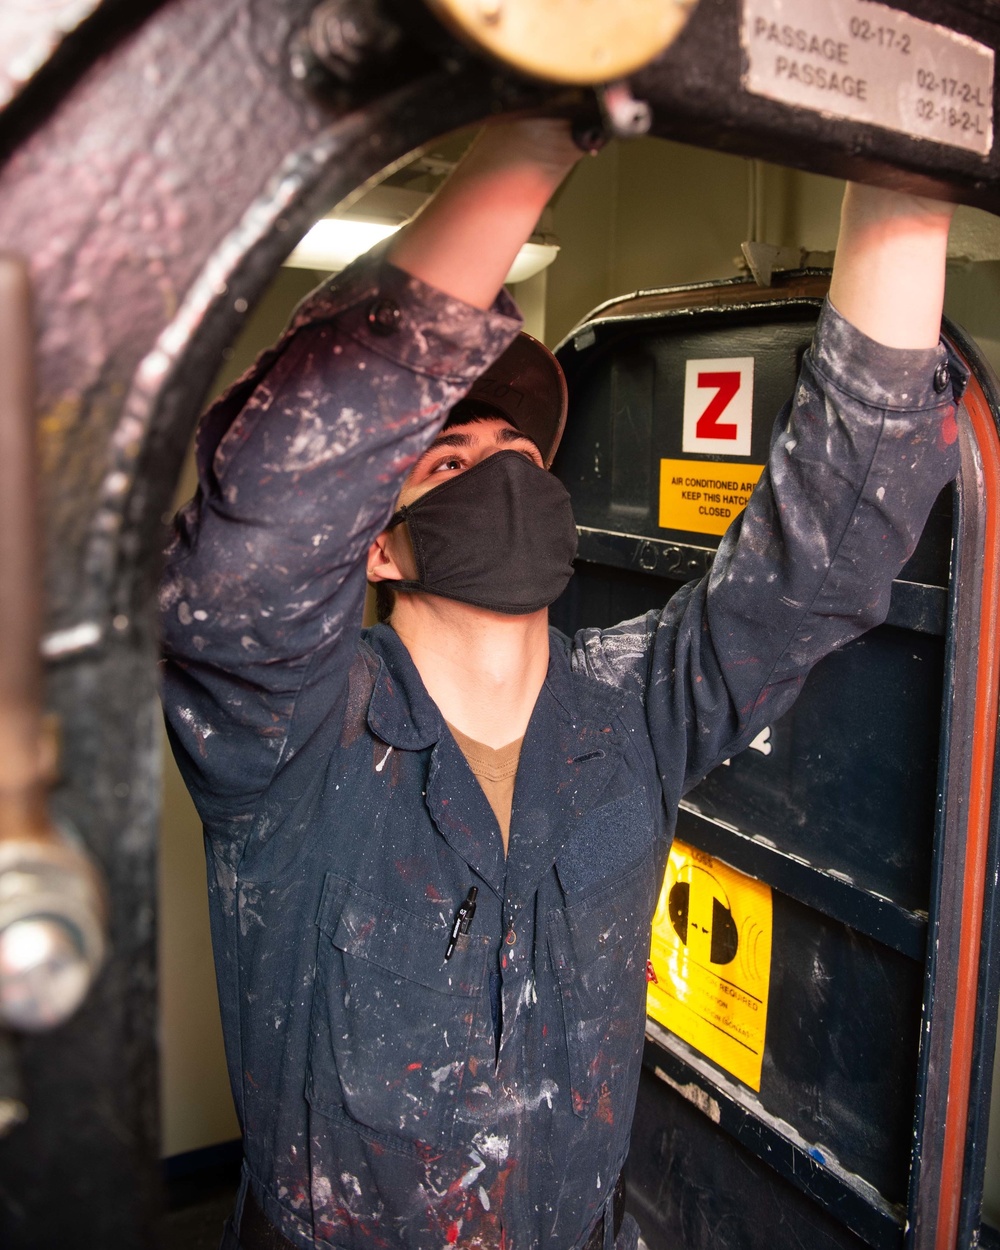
334	242
532	259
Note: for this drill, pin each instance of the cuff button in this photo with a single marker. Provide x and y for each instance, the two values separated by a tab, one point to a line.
942	376
384	317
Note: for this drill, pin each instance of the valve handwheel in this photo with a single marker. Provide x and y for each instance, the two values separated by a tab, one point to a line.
572	41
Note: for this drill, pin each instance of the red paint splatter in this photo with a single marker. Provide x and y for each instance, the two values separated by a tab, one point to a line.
412	870
605	1111
412	1067
651	972
949	429
452	1235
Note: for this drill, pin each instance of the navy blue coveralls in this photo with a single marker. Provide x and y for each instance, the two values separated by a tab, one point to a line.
343	826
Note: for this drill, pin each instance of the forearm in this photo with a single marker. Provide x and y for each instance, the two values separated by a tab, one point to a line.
888	279
465	240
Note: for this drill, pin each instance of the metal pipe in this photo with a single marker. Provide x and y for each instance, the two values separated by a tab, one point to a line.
52	908
22	793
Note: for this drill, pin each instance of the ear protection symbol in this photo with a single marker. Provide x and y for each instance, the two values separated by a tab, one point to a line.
701	916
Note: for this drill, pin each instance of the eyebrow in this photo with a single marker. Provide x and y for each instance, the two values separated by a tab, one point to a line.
455	438
508	434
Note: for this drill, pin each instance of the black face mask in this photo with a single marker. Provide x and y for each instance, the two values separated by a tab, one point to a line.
500	536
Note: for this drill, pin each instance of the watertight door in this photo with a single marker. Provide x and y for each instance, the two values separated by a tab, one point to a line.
820	1027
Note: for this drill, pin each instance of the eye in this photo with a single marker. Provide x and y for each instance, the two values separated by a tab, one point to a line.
447	464
531	453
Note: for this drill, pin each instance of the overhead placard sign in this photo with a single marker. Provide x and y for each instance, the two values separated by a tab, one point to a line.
718	406
704	496
710	961
870	63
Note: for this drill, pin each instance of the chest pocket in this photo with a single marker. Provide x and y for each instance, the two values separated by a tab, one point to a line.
599	947
391	1021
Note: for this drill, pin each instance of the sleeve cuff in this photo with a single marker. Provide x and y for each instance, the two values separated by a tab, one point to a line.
411	323
905	379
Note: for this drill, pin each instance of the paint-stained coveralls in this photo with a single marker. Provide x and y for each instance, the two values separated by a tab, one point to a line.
384	1101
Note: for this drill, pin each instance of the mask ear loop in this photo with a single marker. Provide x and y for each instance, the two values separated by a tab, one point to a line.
398	517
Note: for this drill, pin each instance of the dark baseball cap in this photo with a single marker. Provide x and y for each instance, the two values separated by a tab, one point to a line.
527	385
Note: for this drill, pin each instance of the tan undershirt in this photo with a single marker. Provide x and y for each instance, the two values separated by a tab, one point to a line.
495	771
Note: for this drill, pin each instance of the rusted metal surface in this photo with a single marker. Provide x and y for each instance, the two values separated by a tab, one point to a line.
21	789
155	202
52	909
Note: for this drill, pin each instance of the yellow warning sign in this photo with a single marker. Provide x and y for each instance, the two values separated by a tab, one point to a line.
710	960
704	496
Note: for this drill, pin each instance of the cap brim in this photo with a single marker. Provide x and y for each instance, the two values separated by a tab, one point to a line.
527	384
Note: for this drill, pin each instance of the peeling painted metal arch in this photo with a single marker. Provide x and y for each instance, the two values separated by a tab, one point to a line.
91	1085
337	165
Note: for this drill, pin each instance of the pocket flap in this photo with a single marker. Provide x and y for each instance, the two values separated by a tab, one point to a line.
603	925
373	929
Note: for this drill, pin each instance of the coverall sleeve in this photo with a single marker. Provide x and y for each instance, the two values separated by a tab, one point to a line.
856	461
299	467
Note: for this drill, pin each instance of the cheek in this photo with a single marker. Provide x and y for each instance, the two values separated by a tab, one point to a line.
401	549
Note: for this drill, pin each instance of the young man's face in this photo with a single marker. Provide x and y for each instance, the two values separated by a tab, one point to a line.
454	451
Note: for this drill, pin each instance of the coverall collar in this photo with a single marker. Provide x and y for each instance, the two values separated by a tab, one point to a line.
571	749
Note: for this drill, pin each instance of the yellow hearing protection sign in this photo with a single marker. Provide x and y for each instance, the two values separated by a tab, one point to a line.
710	961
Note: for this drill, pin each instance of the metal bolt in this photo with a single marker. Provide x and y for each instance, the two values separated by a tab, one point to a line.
52	923
44	973
624	115
346	37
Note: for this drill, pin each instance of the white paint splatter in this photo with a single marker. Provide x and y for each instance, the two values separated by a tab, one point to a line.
478	1167
202	728
545	1091
321	1188
351	1184
440	1075
494	1146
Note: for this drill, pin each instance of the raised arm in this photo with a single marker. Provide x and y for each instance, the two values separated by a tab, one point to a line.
856	462
888	280
301	461
466	239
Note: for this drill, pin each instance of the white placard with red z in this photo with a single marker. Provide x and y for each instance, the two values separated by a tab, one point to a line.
718	406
